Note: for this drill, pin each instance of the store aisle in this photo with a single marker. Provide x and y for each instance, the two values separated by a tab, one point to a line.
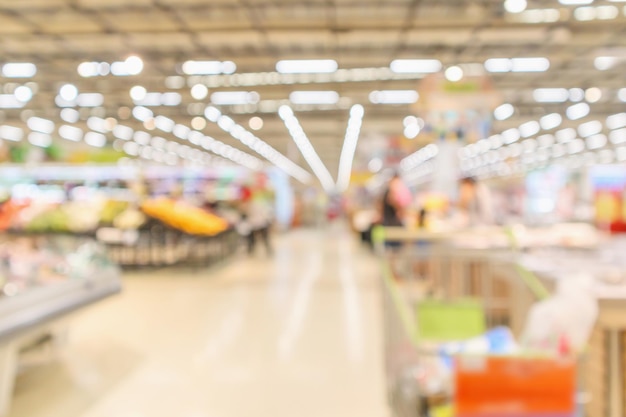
298	334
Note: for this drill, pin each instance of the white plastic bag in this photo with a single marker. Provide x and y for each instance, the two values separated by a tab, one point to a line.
563	323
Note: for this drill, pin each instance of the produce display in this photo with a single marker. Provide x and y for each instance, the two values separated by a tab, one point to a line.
70	217
184	217
111	210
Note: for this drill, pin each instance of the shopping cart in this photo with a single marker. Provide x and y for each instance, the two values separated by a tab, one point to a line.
436	292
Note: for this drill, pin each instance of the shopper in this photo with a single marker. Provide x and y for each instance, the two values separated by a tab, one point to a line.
259	214
396	200
475	202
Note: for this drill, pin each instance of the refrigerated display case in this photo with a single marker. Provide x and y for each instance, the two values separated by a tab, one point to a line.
43	281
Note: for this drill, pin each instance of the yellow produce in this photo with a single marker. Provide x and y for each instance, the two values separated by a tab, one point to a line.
184	217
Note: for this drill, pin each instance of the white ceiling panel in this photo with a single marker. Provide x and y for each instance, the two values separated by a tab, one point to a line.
161	41
518	36
451	36
90	43
142	21
64	21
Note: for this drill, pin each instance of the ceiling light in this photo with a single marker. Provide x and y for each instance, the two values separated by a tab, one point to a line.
419	66
498	65
212	114
68	92
314	97
550	121
550	95
454	74
138	93
593	94
545	141
394	97
565	135
585	14
529	129
515	6
576	94
589	128
198	123
530	64
229	98
9	101
171	99
97	124
576	146
43	140
603	63
158	142
616	121
150	99
618	136
504	111
70	133
90	100
142	113
606	12
19	70
530	145
577	111
306	149
23	94
375	165
142	138
182	131
621	95
306	66
229	67
411	131
510	135
597	141
495	141
88	69
255	123
70	115
14	134
208	67
195	137
226	123
40	125
409	120
123	132
131	148
540	16
134	65
349	146
199	91
164	123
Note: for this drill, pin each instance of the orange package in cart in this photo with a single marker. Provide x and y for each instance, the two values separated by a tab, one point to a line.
514	387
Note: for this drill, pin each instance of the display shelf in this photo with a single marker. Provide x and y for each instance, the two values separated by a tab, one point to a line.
45	279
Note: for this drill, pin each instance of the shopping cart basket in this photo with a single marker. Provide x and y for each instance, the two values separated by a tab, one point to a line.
435	292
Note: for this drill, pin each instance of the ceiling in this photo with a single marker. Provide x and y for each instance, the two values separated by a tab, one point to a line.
57	35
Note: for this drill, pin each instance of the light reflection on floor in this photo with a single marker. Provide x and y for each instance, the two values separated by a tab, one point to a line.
298	334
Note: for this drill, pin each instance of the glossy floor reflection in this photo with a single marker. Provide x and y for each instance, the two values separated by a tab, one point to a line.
297	334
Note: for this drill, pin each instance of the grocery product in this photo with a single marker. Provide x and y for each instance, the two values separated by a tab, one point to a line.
111	210
184	217
129	219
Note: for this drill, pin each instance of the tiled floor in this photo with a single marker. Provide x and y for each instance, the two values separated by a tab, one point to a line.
295	335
